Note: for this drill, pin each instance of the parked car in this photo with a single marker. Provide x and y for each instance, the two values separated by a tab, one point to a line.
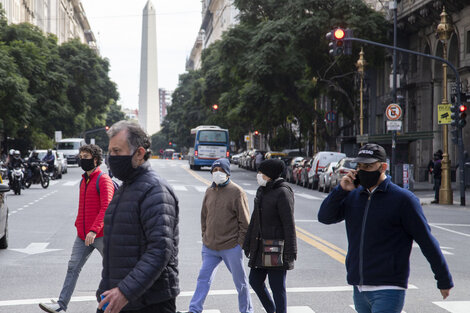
294	163
304	173
320	160
235	158
324	178
63	160
4	188
341	169
286	160
274	155
57	163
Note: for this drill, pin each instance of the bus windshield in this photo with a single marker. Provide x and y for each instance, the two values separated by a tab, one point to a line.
213	136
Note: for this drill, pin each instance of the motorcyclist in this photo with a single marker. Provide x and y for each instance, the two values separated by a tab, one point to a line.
49	158
15	161
33	159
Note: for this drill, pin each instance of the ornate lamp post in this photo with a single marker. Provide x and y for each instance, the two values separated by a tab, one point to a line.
444	30
361	64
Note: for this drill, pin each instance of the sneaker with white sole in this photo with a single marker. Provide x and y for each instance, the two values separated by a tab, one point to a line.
51	307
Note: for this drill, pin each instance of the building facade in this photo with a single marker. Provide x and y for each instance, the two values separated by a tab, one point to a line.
420	82
64	18
217	17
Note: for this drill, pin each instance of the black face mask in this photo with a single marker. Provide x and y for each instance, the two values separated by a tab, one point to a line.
87	164
121	166
369	179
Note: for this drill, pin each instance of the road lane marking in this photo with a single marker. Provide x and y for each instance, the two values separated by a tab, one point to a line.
72	183
299	309
200	188
309	197
454	306
324	246
179	187
36	248
443	249
198	177
251	192
449	230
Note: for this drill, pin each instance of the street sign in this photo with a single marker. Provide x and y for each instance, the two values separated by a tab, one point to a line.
394	125
362	138
330	116
443	114
393	112
58	135
247	138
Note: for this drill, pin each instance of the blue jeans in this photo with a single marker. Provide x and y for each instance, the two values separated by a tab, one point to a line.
233	259
277	282
380	301
80	254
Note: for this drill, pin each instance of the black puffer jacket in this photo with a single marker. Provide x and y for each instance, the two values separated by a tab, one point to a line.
141	241
275	204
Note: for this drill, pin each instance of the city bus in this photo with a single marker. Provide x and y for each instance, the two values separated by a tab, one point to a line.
208	143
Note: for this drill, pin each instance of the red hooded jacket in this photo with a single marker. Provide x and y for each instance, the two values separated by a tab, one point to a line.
92	205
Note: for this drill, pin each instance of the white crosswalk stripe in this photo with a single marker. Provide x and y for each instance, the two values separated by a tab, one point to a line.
454	306
179	188
200	188
299	309
250	192
72	183
309	197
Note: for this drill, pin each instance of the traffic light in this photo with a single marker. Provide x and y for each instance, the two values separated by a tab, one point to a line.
256	132
462	115
106	127
454	115
339	34
170	143
215	107
455	135
337	44
331	44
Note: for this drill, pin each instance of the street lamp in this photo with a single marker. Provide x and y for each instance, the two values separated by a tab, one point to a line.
444	30
361	64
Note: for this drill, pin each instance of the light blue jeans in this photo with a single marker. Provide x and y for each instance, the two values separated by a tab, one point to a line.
233	259
380	301
80	254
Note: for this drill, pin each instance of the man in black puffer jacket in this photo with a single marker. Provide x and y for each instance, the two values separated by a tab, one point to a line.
140	263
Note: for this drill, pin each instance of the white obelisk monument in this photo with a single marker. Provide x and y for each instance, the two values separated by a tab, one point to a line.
149	107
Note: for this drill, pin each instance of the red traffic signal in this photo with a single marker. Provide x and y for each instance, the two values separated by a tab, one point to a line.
256	132
215	107
339	34
462	108
170	143
106	127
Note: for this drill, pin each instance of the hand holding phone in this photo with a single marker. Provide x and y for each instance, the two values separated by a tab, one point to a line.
348	181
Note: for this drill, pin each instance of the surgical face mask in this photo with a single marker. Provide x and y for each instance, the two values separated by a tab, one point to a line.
261	181
219	177
369	179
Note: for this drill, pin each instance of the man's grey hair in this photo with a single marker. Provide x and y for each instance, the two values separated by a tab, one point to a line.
136	136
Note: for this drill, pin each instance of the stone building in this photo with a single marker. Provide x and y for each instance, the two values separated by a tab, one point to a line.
217	17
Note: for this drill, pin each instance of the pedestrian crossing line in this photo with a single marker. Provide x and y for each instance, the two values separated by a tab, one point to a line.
72	183
299	309
309	197
324	246
251	192
454	306
200	188
179	187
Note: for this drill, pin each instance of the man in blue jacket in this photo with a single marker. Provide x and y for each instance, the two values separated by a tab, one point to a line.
382	220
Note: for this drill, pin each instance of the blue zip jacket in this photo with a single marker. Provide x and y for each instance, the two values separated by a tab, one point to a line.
381	228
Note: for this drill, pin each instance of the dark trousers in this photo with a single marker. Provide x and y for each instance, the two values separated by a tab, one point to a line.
277	282
168	306
437	187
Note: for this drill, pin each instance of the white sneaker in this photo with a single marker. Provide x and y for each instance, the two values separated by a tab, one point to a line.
51	307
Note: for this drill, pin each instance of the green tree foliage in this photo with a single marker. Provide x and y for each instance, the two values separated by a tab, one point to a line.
45	87
266	72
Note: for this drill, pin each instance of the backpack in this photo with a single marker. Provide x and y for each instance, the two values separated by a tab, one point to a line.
115	184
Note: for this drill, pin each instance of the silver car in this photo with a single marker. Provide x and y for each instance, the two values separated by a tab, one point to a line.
63	160
324	179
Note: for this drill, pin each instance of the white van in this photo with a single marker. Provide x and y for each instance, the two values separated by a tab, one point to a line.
320	160
70	148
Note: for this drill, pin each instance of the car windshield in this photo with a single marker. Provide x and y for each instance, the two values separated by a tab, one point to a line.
350	164
68	145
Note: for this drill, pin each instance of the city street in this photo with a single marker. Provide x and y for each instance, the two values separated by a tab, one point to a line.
41	225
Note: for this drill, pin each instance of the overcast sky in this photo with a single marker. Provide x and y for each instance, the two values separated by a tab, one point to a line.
117	25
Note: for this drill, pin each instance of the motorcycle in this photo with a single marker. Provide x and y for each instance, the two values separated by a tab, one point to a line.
37	175
17	176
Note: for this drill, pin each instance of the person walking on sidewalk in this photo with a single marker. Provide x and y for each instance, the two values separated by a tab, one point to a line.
382	220
224	222
272	218
96	191
437	173
140	263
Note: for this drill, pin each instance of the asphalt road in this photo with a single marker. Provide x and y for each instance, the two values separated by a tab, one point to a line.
42	231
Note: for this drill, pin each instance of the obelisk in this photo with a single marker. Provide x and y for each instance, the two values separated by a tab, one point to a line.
149	108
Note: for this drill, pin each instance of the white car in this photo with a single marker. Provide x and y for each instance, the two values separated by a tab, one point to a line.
63	160
324	180
320	160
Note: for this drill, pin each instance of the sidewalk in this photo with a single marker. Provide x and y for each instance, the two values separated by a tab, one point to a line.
424	191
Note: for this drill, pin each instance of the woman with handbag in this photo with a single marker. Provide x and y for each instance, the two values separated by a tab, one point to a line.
271	243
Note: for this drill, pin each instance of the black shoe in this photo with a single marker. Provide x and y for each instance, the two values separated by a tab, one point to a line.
435	201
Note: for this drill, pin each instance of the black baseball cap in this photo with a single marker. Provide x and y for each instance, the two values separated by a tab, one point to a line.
371	153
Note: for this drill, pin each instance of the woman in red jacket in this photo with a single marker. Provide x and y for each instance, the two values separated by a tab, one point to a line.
96	191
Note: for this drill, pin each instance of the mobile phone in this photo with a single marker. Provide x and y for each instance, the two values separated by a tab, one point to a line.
105	305
357	182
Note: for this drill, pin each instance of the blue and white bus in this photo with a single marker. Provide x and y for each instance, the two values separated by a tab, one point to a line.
208	143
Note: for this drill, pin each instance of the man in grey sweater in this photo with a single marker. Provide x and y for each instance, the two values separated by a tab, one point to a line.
224	222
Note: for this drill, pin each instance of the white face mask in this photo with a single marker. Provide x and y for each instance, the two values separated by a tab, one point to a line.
261	180
219	177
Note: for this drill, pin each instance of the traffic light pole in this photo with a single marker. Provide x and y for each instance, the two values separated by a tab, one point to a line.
457	78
